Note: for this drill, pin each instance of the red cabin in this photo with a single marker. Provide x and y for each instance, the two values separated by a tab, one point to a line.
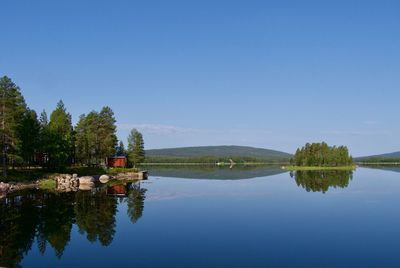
117	162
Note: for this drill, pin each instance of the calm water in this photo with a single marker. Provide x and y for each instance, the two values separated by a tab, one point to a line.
196	217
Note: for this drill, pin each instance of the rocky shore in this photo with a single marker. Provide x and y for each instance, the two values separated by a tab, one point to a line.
71	182
6	188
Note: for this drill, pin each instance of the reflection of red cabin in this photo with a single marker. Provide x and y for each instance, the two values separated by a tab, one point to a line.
117	190
118	161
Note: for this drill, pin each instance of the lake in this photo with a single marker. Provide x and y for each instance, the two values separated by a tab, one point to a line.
210	217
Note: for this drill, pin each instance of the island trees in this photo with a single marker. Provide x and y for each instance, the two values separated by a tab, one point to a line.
322	155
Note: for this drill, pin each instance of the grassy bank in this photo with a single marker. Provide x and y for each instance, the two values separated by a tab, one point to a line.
295	168
47	184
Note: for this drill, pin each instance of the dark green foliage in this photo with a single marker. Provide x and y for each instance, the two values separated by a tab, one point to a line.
28	134
59	146
12	111
24	216
26	141
49	217
321	181
322	155
136	153
56	219
213	154
95	215
96	137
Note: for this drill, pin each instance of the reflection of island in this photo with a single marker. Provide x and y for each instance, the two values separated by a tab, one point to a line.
48	217
321	181
238	172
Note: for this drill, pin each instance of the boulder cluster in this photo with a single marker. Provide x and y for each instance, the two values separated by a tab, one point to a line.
4	188
68	183
72	183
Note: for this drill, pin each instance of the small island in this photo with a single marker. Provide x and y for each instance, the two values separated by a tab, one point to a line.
321	156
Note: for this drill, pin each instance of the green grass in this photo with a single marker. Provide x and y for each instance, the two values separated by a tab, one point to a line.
48	184
295	168
112	171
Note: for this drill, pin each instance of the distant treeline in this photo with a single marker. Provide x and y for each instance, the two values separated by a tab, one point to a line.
322	155
378	159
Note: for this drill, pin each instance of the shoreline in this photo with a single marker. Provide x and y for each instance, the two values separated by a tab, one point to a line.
314	168
214	164
54	181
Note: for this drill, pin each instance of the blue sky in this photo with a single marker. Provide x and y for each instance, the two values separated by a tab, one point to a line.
273	74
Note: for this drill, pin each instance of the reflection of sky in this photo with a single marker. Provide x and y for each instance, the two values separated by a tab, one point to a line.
260	222
162	188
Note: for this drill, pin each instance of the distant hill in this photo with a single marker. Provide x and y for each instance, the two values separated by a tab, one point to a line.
210	154
390	157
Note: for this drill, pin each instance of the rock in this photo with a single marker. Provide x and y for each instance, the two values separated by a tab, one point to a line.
4	187
67	182
142	175
104	178
86	187
86	180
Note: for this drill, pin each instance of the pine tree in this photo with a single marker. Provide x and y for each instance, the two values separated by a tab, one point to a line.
120	151
61	137
136	153
96	136
12	109
82	142
28	134
107	133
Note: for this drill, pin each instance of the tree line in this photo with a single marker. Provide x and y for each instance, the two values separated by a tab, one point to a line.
322	155
53	142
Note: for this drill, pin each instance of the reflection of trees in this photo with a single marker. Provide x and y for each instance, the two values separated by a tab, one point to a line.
136	197
49	218
57	214
322	180
17	228
95	215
